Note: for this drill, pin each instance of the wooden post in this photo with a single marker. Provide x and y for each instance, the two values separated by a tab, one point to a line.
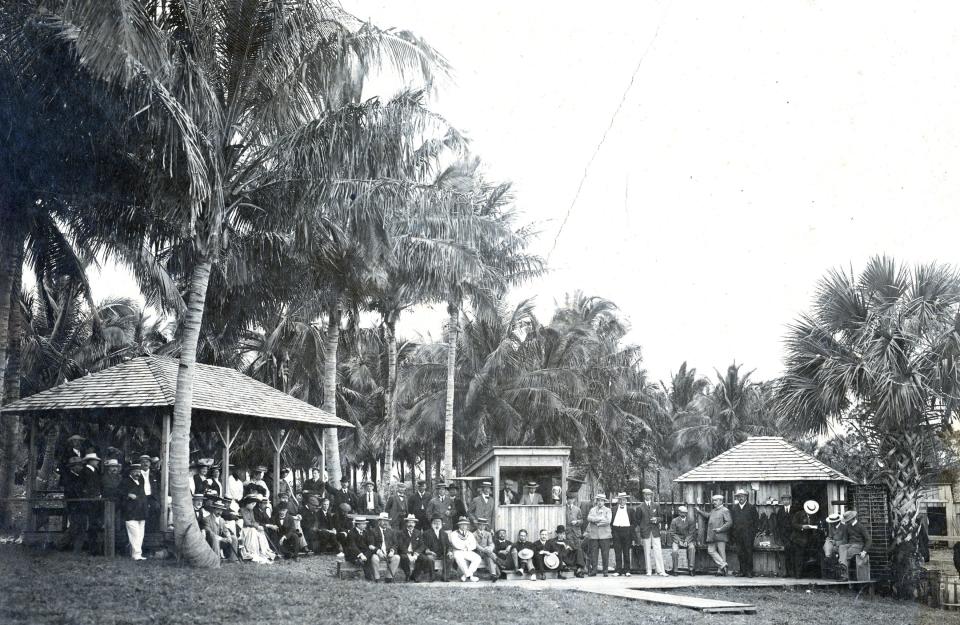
109	528
279	440
165	470
227	441
31	473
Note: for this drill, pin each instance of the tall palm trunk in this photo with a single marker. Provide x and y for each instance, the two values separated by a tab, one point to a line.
390	331
11	452
902	455
190	542
8	253
331	440
452	332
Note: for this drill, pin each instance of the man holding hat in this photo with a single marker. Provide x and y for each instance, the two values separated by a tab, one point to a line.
599	534
621	524
683	534
410	547
370	502
397	507
134	507
419	501
442	506
436	544
482	504
857	542
804	533
486	547
745	521
530	495
382	546
220	538
463	545
648	523
522	553
718	533
571	558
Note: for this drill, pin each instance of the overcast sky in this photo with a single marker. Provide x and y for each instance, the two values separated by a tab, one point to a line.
759	145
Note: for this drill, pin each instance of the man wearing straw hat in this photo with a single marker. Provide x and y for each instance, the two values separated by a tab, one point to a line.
621	523
355	546
835	534
718	531
134	507
599	534
804	529
745	521
530	496
486	547
464	546
683	535
382	546
410	548
857	542
648	522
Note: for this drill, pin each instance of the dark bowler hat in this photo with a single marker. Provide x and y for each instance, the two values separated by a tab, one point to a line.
74	460
561	529
421	482
344	480
436	517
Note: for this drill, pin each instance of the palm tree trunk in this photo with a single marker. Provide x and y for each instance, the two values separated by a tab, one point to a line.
189	541
390	405
331	440
11	452
903	476
45	476
8	253
452	327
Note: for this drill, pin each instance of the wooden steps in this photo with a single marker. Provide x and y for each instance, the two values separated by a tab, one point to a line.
709	606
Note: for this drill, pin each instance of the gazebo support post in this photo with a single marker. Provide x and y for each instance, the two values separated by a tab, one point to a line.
318	441
227	437
279	438
31	473
164	469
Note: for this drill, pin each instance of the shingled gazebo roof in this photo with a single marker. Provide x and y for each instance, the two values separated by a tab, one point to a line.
148	384
763	459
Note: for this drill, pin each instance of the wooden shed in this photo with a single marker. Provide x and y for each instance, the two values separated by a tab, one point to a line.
767	467
549	467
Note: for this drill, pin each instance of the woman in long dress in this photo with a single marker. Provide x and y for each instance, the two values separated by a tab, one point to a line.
255	546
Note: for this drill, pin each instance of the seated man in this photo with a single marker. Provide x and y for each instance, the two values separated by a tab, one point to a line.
570	554
486	548
355	545
523	561
856	542
540	550
683	535
382	546
222	540
320	526
463	550
835	530
410	547
502	551
436	544
290	539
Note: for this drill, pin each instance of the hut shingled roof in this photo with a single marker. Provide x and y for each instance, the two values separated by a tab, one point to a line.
763	459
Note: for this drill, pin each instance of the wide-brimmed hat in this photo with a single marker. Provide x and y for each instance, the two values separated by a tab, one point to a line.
91	456
74	437
383	516
551	561
834	518
410	517
359	518
740	491
811	507
599	497
463	520
481	519
199	497
682	509
531	485
254	496
647	491
849	515
111	462
720	497
525	554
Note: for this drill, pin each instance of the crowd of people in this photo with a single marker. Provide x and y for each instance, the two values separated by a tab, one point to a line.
424	534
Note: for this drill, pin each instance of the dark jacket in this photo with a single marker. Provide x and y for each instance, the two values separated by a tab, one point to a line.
133	508
417	504
89	482
380	539
407	542
858	534
338	497
437	544
354	544
745	521
397	508
362	503
643	515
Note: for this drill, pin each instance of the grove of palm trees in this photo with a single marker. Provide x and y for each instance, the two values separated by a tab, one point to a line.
279	182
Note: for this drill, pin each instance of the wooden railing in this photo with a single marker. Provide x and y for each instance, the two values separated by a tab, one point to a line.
45	508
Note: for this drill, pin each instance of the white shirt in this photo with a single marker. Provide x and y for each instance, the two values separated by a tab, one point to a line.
621	518
370	501
146	482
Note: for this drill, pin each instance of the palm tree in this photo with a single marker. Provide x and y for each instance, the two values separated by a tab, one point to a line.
879	352
240	100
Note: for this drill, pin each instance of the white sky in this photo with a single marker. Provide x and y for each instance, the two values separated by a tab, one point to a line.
760	145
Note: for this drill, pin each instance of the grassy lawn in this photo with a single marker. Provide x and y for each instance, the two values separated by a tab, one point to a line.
42	587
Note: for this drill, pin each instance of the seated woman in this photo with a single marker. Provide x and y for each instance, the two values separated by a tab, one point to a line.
256	547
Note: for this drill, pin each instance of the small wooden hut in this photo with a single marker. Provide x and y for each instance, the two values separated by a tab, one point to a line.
767	467
549	467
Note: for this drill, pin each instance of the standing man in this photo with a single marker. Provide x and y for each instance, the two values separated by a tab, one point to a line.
782	518
530	496
683	535
574	522
134	507
418	503
599	534
857	542
648	521
313	483
718	532
745	520
343	503
370	502
382	546
508	496
482	504
398	508
805	527
621	523
441	506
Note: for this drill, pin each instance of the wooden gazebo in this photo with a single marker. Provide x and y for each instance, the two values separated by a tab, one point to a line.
141	392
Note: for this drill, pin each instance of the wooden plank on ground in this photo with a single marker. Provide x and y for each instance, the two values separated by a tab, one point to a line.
683	601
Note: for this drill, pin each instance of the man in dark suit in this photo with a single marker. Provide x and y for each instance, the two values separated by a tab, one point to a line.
621	524
571	557
134	507
745	521
782	518
343	503
436	545
398	506
382	547
418	503
320	525
369	501
410	547
355	546
442	506
648	520
459	507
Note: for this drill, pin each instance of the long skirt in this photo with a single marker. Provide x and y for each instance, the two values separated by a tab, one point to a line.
255	546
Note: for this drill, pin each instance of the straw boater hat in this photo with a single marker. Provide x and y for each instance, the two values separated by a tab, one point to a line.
720	497
599	497
463	521
647	491
480	520
531	485
260	469
849	515
91	456
682	509
551	561
811	507
623	496
740	491
410	517
834	518
358	518
199	497
111	462
383	516
525	554
486	485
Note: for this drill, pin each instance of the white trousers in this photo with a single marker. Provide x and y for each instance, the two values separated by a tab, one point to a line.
653	552
468	561
135	531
